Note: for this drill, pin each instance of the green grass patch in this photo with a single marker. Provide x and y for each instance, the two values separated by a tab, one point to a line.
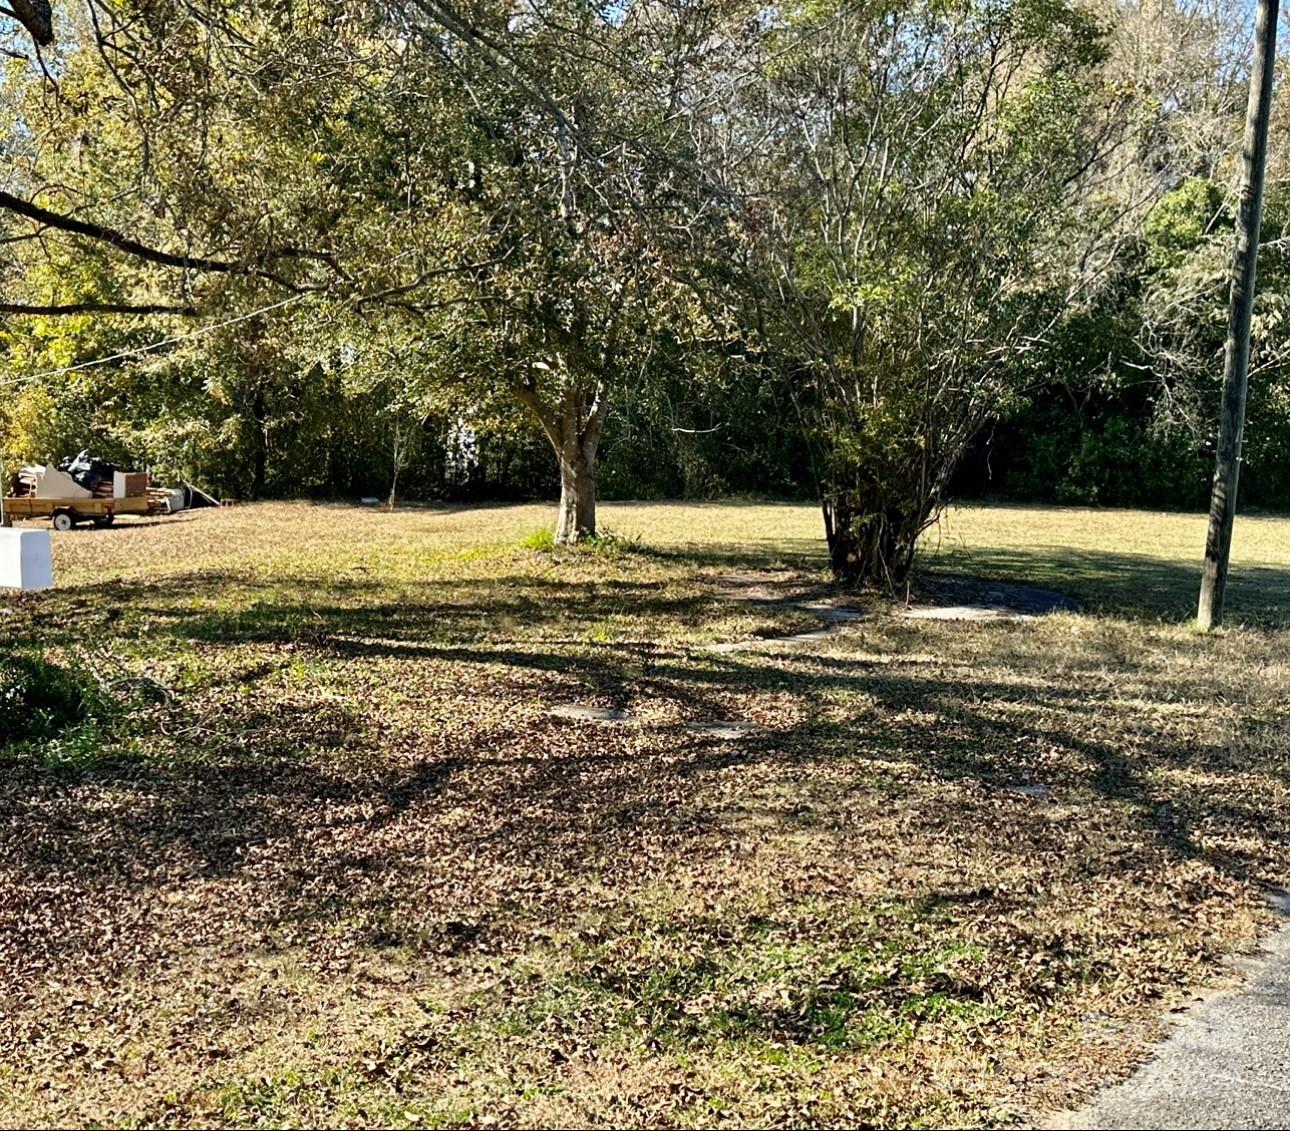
331	1097
604	543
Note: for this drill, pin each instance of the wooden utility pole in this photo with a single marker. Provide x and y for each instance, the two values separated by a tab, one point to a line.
1236	363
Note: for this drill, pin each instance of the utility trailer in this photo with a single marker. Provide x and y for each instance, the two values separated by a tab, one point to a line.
82	489
63	514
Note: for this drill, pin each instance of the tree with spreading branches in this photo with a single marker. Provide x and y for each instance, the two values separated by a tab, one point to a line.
902	182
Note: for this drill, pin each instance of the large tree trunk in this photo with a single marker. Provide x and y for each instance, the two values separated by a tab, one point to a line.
869	546
573	426
577	516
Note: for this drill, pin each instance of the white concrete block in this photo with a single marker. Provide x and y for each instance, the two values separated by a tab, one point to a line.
26	559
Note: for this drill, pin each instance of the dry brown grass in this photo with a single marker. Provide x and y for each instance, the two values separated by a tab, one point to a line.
317	853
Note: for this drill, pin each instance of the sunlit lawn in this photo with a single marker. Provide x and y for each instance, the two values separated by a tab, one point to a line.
309	847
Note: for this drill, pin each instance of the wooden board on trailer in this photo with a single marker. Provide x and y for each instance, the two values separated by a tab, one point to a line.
88	510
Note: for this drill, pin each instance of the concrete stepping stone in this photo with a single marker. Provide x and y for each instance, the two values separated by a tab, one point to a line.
585	714
773	642
834	614
834	617
735	646
766	588
802	637
1034	789
728	730
966	612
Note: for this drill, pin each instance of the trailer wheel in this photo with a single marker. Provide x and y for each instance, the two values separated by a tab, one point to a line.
62	520
104	520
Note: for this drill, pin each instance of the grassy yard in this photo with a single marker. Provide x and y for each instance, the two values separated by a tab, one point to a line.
296	840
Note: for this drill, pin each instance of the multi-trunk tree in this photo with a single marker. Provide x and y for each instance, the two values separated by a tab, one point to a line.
899	180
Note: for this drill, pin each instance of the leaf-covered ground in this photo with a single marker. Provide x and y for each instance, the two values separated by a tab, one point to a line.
289	835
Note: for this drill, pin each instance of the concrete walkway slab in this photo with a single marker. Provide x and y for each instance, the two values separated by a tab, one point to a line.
1030	789
1226	1064
581	713
728	730
971	599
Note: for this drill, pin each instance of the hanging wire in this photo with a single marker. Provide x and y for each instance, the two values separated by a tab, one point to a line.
139	350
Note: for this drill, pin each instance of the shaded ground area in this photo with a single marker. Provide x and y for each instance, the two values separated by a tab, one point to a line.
969	598
1135	564
315	849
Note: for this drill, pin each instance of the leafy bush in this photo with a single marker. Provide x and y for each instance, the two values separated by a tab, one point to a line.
57	713
1114	454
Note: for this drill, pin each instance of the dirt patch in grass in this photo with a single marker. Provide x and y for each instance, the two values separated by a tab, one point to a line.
328	858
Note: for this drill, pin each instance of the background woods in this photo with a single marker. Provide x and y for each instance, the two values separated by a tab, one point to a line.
878	254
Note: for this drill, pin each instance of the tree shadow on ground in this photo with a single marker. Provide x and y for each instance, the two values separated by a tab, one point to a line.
1131	585
302	815
806	554
352	609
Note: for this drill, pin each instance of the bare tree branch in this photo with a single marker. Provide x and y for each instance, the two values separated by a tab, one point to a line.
122	242
56	309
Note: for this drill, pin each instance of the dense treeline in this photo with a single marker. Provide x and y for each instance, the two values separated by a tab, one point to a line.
879	254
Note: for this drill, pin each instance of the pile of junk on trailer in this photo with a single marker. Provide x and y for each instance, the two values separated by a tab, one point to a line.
85	489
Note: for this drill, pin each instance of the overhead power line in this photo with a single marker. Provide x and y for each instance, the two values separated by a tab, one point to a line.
152	346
